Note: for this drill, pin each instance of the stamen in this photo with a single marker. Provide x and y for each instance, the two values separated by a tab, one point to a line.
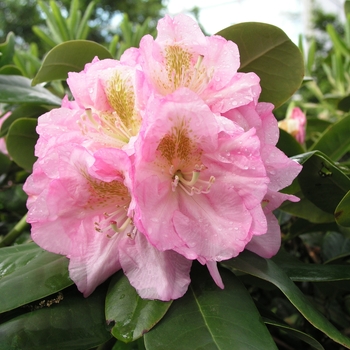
175	183
195	177
132	233
88	112
264	203
202	186
199	61
117	229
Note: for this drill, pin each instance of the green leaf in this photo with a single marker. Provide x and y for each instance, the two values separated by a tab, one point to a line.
28	273
136	345
20	141
321	181
210	318
10	70
307	210
339	44
267	270
344	104
347	7
72	20
70	56
267	51
334	141
288	144
342	211
315	127
5	163
295	333
311	56
83	28
335	247
16	89
13	198
60	21
74	323
132	315
301	272
301	226
23	111
7	49
43	36
51	22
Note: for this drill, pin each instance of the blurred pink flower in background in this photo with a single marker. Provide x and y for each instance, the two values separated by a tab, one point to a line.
295	124
3	148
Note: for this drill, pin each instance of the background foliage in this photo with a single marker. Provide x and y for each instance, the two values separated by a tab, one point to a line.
299	299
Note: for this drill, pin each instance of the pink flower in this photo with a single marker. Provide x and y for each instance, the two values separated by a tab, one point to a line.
3	148
162	158
295	124
280	170
80	205
181	56
106	91
200	180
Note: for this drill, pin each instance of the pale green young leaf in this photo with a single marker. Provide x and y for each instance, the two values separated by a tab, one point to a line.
60	21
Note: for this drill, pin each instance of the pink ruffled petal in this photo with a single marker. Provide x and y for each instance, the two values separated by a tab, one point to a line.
93	258
153	273
268	244
214	272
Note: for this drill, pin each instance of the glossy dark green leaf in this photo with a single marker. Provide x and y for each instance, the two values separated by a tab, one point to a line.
74	323
315	127
13	199
307	210
342	211
267	270
210	318
301	226
7	49
344	104
136	345
16	89
20	141
321	181
10	70
288	144
335	247
334	141
295	333
70	56
32	273
132	316
5	163
303	272
23	111
267	51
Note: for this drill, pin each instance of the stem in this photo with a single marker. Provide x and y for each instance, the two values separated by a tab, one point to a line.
15	232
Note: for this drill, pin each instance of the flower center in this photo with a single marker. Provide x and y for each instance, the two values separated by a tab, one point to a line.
105	128
182	156
115	198
193	185
114	128
181	71
121	96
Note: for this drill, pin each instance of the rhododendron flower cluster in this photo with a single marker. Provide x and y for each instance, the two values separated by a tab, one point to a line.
163	157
